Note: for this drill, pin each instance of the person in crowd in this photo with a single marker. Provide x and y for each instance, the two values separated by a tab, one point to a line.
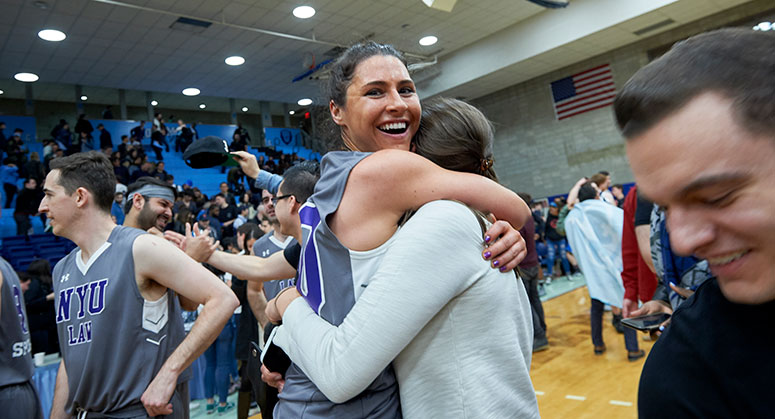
160	173
594	230
146	170
153	378
27	206
107	112
528	271
243	133
34	169
242	216
638	276
618	192
186	202
106	141
603	181
138	133
247	199
227	194
39	299
117	209
18	395
454	135
227	214
83	130
555	242
200	199
9	175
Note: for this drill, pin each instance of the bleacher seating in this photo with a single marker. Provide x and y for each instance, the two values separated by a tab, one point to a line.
20	251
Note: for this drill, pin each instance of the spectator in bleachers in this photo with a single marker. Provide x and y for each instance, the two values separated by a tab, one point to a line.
117	210
227	194
182	217
3	139
83	129
56	151
204	225
618	192
243	133
15	147
27	206
138	133
227	214
34	168
65	139
184	137
242	216
106	141
123	147
237	143
9	174
107	113
199	198
245	199
39	299
160	173
146	169
121	172
187	202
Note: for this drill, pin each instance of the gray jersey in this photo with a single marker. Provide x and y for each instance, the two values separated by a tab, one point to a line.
330	278
15	361
113	342
266	246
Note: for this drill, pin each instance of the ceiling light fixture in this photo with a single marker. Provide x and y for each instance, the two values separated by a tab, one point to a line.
235	60
291	112
764	26
52	35
191	91
84	97
1	92
304	102
304	12
202	106
26	77
244	109
154	103
428	40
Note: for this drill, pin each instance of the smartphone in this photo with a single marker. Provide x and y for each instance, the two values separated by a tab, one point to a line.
646	323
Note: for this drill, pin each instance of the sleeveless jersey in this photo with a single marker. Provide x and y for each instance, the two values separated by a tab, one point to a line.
266	246
15	360
330	278
113	342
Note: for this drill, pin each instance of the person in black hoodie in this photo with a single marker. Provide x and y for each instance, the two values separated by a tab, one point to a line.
39	299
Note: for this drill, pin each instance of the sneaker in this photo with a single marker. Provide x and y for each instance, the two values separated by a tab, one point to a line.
599	350
634	356
222	410
540	344
193	405
210	408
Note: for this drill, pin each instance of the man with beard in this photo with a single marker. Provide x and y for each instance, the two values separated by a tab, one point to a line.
149	204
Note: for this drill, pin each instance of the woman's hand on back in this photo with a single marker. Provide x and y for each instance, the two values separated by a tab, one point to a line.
505	246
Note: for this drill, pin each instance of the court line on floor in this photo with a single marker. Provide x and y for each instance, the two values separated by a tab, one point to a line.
620	403
572	397
539	393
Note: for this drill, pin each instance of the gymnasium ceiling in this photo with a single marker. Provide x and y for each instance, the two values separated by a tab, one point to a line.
484	45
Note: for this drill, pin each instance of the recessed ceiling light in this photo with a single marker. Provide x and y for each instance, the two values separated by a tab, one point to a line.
191	91
1	92
26	77
428	40
291	112
304	12
244	109
84	97
235	60
764	26
154	103
304	102
52	35
202	106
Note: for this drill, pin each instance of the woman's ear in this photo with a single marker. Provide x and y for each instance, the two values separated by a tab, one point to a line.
336	112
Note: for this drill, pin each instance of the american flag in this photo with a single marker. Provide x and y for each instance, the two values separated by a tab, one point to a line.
583	92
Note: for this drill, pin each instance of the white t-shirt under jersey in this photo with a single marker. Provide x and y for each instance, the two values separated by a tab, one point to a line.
458	332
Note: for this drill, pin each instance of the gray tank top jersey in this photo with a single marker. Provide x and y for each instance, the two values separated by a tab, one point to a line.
15	360
265	247
112	341
325	279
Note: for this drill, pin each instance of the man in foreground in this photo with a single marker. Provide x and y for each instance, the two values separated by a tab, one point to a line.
123	352
699	127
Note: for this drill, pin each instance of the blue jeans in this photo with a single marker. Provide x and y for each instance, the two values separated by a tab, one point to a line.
219	358
556	248
596	323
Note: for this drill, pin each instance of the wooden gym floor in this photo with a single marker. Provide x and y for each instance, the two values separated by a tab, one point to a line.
569	379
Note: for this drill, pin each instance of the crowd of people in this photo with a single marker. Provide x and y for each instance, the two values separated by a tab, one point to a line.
381	281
